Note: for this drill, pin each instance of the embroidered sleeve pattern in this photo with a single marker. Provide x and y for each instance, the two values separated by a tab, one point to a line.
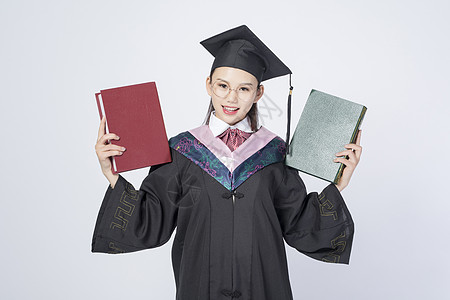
114	249
338	245
326	207
125	208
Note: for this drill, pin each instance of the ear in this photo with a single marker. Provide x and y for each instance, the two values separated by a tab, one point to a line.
259	93
208	86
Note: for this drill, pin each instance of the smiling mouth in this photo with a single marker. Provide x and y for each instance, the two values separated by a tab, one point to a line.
230	110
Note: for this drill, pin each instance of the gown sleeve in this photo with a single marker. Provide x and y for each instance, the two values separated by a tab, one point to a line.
318	225
131	220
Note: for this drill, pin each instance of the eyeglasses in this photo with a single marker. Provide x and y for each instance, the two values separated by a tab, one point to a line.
244	92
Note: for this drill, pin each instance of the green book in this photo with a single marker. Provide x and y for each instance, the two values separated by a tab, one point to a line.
327	124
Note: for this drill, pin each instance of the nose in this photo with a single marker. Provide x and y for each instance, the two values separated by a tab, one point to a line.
232	96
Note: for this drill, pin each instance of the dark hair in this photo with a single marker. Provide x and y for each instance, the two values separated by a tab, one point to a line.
252	113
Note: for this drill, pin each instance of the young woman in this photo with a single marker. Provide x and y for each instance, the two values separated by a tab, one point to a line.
227	191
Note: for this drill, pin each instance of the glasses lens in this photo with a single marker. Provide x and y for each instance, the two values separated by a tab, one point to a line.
221	89
244	92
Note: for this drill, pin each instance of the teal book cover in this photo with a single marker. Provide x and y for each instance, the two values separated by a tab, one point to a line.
327	124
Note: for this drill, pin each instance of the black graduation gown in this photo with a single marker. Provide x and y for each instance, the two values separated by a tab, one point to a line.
231	226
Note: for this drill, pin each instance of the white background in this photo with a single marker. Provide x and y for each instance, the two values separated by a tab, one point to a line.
392	56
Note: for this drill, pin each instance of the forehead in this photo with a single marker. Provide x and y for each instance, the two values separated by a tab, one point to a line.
234	76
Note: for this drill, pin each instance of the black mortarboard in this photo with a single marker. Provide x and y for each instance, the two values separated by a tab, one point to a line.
240	48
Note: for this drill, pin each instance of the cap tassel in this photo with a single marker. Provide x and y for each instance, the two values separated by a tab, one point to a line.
288	130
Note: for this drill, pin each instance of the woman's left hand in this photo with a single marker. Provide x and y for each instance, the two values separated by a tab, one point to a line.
353	153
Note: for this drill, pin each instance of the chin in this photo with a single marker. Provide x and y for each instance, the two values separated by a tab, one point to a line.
233	120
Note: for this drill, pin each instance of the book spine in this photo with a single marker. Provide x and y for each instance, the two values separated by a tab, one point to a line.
352	141
99	105
358	124
101	112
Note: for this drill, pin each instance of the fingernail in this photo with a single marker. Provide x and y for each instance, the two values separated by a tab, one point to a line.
120	153
123	149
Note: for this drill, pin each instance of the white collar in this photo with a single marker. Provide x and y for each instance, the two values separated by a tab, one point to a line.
217	126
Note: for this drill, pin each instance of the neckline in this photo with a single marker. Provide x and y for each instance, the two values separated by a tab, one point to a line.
232	159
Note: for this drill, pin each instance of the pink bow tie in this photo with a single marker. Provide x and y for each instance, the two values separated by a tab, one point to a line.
233	138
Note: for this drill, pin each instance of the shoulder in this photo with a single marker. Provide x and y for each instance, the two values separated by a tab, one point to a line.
179	137
270	140
186	138
264	132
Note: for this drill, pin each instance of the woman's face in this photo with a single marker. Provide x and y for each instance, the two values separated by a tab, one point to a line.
233	107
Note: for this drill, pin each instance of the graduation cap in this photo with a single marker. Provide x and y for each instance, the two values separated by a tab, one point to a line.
240	48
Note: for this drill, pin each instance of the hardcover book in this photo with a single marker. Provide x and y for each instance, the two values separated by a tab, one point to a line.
133	113
327	124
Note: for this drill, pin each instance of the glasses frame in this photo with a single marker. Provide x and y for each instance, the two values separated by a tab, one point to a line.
229	90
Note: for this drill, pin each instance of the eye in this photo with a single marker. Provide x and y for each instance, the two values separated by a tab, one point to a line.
222	85
244	89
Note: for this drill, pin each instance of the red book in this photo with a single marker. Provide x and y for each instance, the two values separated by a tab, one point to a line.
133	113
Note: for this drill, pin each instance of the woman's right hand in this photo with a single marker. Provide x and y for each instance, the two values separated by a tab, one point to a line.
105	151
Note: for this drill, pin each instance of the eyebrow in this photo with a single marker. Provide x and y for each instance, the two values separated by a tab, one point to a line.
245	83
